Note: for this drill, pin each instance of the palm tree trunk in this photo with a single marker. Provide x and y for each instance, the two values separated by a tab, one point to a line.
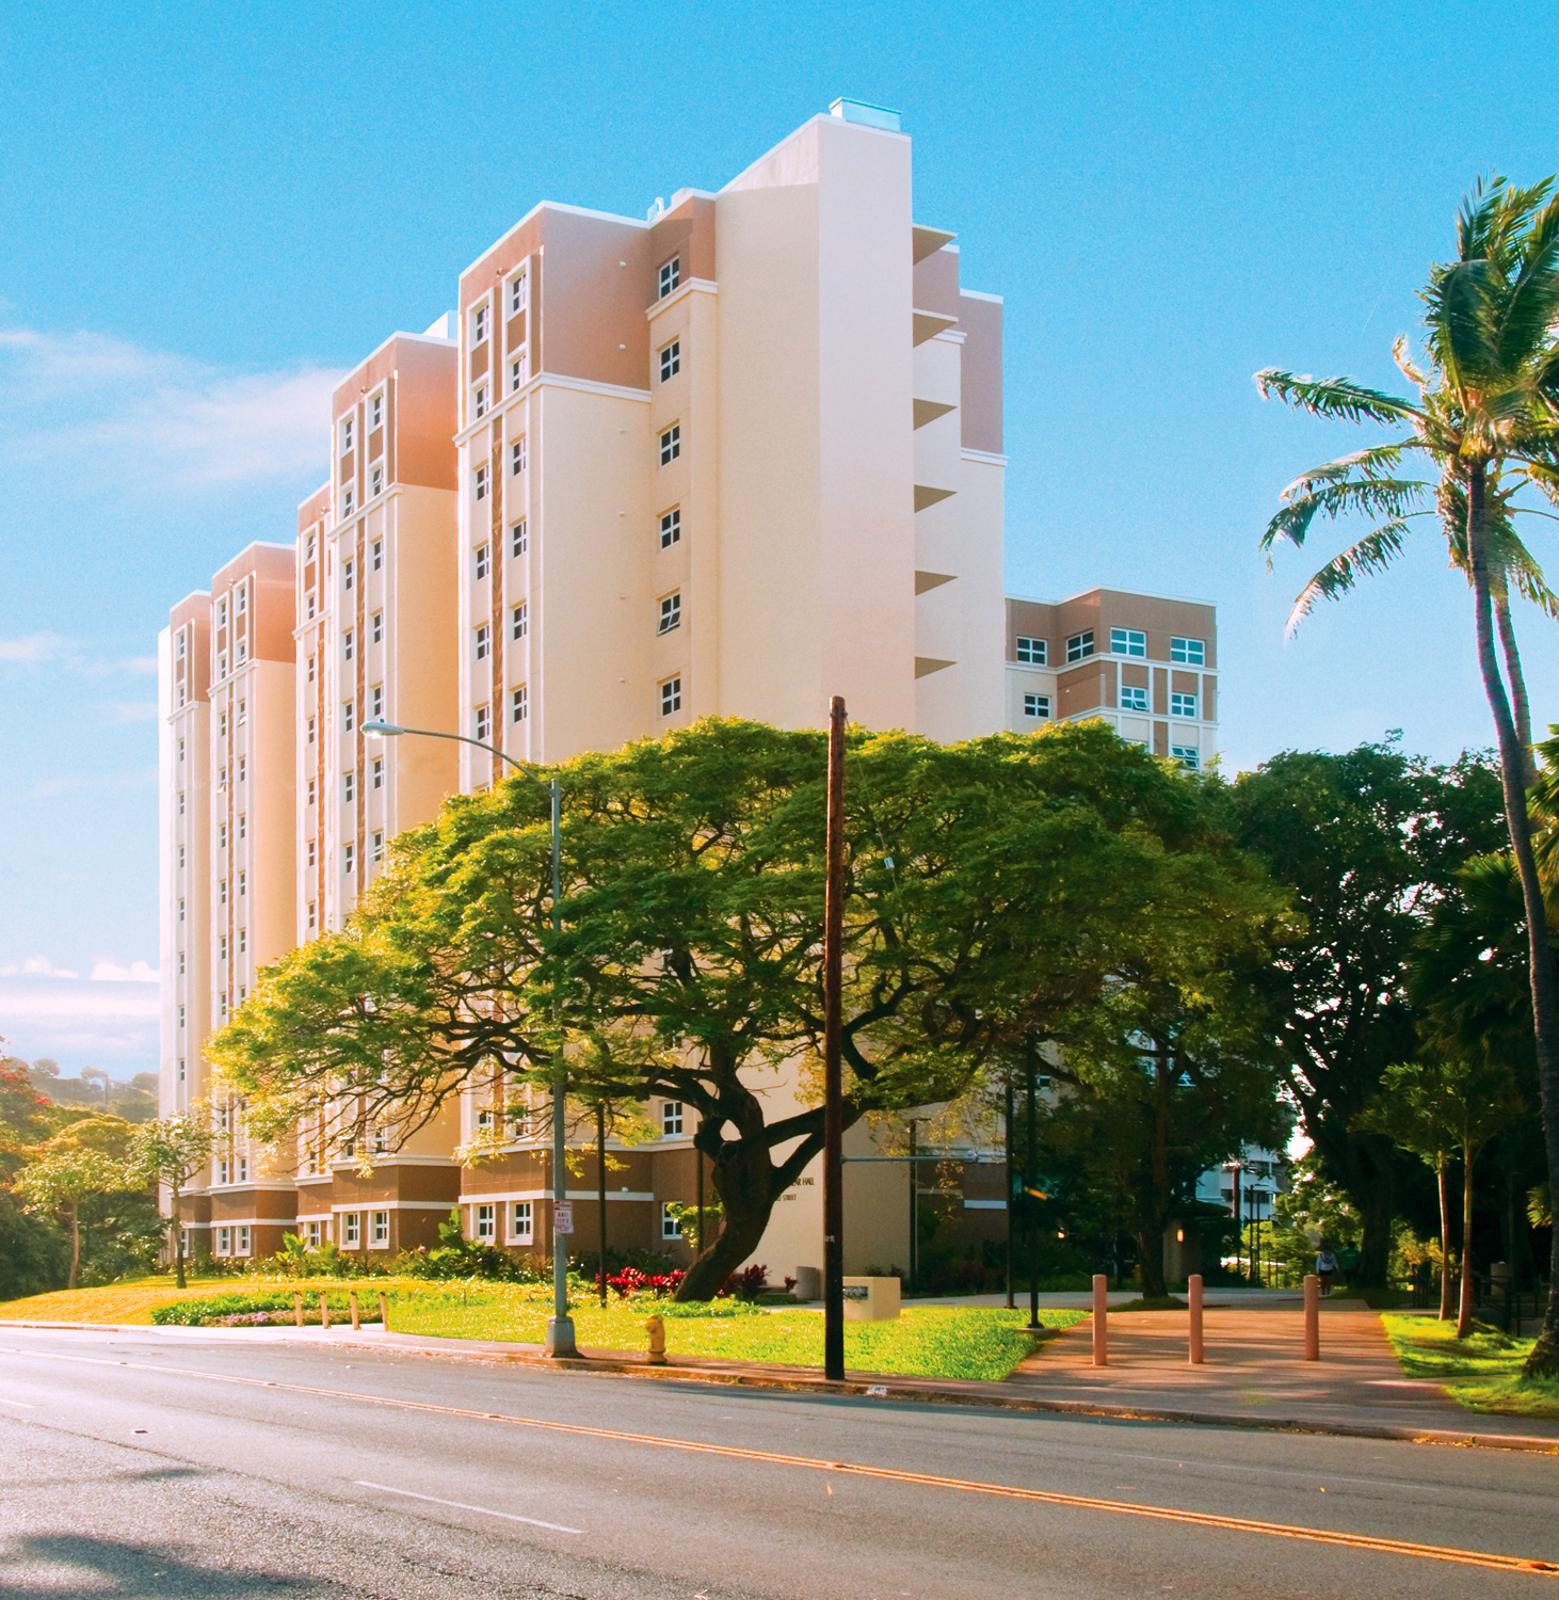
1520	706
1464	1309
1544	1359
1445	1243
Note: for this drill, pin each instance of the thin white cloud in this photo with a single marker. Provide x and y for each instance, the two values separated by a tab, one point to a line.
36	967
33	649
119	711
118	972
111	1018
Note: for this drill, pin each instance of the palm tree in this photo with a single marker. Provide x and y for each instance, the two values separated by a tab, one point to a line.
1485	424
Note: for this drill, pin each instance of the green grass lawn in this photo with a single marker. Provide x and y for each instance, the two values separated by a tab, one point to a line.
1481	1372
925	1341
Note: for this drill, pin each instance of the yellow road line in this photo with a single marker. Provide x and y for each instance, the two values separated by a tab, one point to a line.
859	1469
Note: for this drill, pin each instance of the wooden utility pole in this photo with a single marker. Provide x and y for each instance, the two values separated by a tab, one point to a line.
600	1185
833	1109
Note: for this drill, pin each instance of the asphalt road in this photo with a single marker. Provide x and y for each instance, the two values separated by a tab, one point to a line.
151	1465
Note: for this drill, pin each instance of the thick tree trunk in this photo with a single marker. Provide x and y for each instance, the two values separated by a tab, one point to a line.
1445	1243
1376	1202
1464	1309
1153	1203
744	1181
1544	1360
75	1246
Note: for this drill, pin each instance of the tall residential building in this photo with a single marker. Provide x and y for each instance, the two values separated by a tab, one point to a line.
730	458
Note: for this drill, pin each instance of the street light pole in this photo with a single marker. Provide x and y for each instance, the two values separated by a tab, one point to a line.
560	1326
914	1207
1012	1188
833	1107
1031	1208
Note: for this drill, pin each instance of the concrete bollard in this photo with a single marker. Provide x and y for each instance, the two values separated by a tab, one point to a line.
324	1310
357	1317
1193	1294
384	1311
1101	1334
656	1328
297	1309
1312	1317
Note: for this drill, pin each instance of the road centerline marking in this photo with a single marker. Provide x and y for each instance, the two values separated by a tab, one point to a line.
26	1405
1534	1566
461	1505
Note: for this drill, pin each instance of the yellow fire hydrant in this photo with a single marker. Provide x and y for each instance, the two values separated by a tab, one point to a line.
656	1328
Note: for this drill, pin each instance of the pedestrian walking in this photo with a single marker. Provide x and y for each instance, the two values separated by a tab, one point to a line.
1326	1269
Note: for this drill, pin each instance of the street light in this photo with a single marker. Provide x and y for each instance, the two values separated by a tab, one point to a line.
560	1326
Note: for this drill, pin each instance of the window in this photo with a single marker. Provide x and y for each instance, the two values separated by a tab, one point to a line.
182	643
313	852
313	1234
520	703
222	892
352	1229
1036	705
1128	642
243	650
1080	646
243	768
376	702
243	712
669	276
522	1222
376	772
222	778
1182	705
346	574
670	613
670	696
483	561
1033	652
222	663
486	1223
181	957
348	501
313	911
519	285
670	360
519	373
348	787
671	444
348	645
346	434
484	723
1134	697
242	1239
349	859
181	802
376	853
517	455
1193	652
243	884
670	1223
671	1117
670	527
376	409
376	554
309	731
519	620
311	669
480	477
519	541
243	940
181	1069
376	628
181	752
221	613
243	1176
1187	755
479	324
181	910
224	1240
309	548
310	608
479	404
221	724
484	640
222	1008
376	480
348	715
378	1229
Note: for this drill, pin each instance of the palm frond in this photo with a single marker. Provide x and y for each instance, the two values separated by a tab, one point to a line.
1333	397
1524	572
1374	461
1402	354
1476	217
1460	321
1531	306
1373	553
1393	498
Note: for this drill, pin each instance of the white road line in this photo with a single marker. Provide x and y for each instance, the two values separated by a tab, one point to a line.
26	1405
460	1505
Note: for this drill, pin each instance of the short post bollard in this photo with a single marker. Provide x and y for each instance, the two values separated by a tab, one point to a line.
656	1328
1312	1317
1101	1333
1193	1294
357	1316
384	1311
324	1310
297	1309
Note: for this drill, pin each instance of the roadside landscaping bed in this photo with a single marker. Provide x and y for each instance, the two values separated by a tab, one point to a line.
133	1302
1481	1372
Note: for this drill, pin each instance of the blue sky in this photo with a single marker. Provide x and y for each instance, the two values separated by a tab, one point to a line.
210	212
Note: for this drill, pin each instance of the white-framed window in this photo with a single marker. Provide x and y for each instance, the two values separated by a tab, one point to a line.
224	1242
348	500
671	1117
670	696
1192	652
313	912
1033	652
522	1222
376	628
243	769
181	754
484	641
375	480
309	605
668	277
376	555
670	360
479	323
1134	697
313	852
243	712
308	730
519	620
484	723
518	455
309	548
1182	704
181	910
348	787
181	802
1187	755
519	292
479	405
1080	645
181	1069
348	425
670	527
376	409
519	372
378	1230
376	772
222	663
349	859
351	1229
376	847
670	444
240	600
243	941
484	1119
479	479
224	1170
1036	705
181	957
519	539
348	644
348	715
222	892
222	724
181	1008
670	1223
314	1234
348	568
243	1162
311	668
670	612
376	703
486	1223
181	645
222	778
243	1240
520	702
482	561
243	884
1128	642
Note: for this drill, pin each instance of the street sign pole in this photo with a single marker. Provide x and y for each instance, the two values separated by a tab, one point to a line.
833	1108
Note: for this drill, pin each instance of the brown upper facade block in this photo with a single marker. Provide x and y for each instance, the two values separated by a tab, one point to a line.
1100	611
264	575
189	628
401	403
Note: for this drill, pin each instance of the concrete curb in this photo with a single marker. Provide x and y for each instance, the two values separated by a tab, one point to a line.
887	1388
